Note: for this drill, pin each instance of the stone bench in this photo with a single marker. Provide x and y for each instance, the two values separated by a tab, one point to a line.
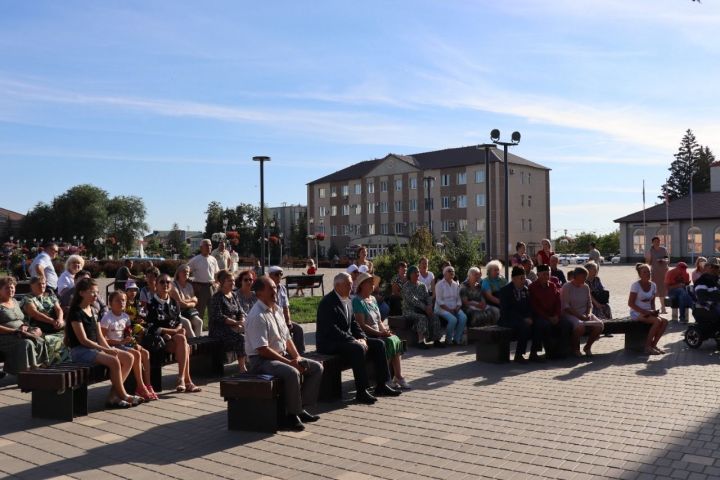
492	343
59	392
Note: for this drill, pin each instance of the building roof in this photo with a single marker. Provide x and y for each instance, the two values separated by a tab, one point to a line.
13	216
706	205
447	158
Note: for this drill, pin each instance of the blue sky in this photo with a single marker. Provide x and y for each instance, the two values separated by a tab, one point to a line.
171	100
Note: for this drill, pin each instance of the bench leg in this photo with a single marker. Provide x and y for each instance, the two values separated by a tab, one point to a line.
635	338
210	364
156	376
330	386
54	406
492	352
255	415
80	401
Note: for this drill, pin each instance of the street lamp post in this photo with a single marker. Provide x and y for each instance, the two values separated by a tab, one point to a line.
515	139
428	183
487	147
262	160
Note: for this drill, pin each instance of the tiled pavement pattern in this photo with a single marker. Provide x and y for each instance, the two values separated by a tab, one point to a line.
618	416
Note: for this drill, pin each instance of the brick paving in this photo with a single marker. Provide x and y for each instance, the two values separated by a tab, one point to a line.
618	416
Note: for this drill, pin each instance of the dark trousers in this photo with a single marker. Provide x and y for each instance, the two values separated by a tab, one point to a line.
298	337
354	354
524	332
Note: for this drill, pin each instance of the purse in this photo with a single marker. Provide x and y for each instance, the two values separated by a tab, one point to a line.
601	296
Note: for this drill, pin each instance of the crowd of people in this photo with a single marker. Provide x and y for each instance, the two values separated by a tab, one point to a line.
63	319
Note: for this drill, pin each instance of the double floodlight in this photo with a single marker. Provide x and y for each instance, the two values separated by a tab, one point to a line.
495	137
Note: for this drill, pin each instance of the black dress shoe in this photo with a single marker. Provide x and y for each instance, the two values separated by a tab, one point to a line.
293	423
423	346
307	417
385	391
439	344
534	357
365	397
520	359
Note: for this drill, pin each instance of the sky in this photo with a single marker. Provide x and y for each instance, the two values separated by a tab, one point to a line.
170	100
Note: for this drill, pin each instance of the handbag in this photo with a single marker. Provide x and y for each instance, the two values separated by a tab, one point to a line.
601	296
153	343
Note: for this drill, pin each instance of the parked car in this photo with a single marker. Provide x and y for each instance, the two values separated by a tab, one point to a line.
582	259
615	259
567	258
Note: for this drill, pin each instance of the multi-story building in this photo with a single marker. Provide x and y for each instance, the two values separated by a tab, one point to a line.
287	216
381	202
10	224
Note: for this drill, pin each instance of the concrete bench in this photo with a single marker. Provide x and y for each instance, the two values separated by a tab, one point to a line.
492	343
59	392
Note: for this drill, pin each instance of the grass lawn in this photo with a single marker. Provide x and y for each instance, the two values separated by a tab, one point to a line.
304	309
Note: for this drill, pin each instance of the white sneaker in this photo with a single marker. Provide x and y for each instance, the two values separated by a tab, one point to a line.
402	384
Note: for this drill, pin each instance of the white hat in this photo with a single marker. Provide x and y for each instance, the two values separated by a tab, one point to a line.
352	268
275	269
363	269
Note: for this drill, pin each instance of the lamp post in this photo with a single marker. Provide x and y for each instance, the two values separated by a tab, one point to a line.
262	160
428	183
514	140
487	147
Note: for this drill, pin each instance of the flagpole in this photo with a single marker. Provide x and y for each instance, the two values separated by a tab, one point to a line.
644	222
692	218
668	245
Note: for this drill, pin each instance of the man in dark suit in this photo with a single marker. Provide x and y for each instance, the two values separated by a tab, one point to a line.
338	333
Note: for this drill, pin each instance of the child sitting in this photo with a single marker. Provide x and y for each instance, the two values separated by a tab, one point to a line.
118	329
311	270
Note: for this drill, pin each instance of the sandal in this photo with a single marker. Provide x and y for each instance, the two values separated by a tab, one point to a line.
134	400
117	403
143	393
180	387
192	388
152	393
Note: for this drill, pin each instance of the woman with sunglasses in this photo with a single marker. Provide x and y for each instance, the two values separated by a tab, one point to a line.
163	320
243	289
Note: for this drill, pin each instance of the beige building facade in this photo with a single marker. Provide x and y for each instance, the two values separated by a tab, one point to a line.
378	203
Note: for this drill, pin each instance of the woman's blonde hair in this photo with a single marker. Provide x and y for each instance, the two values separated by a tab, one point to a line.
494	264
75	258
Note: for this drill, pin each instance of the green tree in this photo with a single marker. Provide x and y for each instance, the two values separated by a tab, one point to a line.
690	160
176	242
609	243
244	217
38	223
298	237
126	221
82	210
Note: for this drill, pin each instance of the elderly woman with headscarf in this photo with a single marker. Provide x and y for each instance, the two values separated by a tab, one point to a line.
417	305
448	306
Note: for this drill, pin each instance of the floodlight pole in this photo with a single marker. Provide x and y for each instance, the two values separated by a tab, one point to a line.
487	147
495	137
262	161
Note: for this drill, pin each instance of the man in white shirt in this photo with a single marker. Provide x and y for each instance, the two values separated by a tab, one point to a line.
203	268
222	256
271	351
42	266
283	301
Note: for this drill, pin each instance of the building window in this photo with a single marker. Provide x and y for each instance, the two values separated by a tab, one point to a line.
479	224
445	180
664	235
333	191
383	228
462	225
528	178
413	205
522	200
639	241
383	186
345	190
371	207
323	211
529	200
358	209
413	183
412	228
522	224
333	210
371	229
529	224
370	186
383	207
480	200
398	185
445	203
462	178
333	230
462	201
446	225
480	176
320	229
358	188
321	192
399	228
522	178
398	206
346	209
694	240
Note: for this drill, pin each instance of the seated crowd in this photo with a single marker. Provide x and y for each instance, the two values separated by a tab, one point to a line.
250	315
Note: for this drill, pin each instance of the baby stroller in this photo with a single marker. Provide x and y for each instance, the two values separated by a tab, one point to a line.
707	319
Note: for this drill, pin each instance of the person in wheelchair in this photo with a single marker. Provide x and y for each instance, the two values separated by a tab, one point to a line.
707	289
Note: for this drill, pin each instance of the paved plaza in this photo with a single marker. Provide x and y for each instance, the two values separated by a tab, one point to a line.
618	416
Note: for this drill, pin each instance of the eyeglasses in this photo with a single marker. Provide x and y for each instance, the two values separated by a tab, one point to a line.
164	282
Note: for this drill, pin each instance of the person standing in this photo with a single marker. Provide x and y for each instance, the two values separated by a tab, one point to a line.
338	333
271	351
594	255
543	256
42	266
283	301
203	268
222	257
657	258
